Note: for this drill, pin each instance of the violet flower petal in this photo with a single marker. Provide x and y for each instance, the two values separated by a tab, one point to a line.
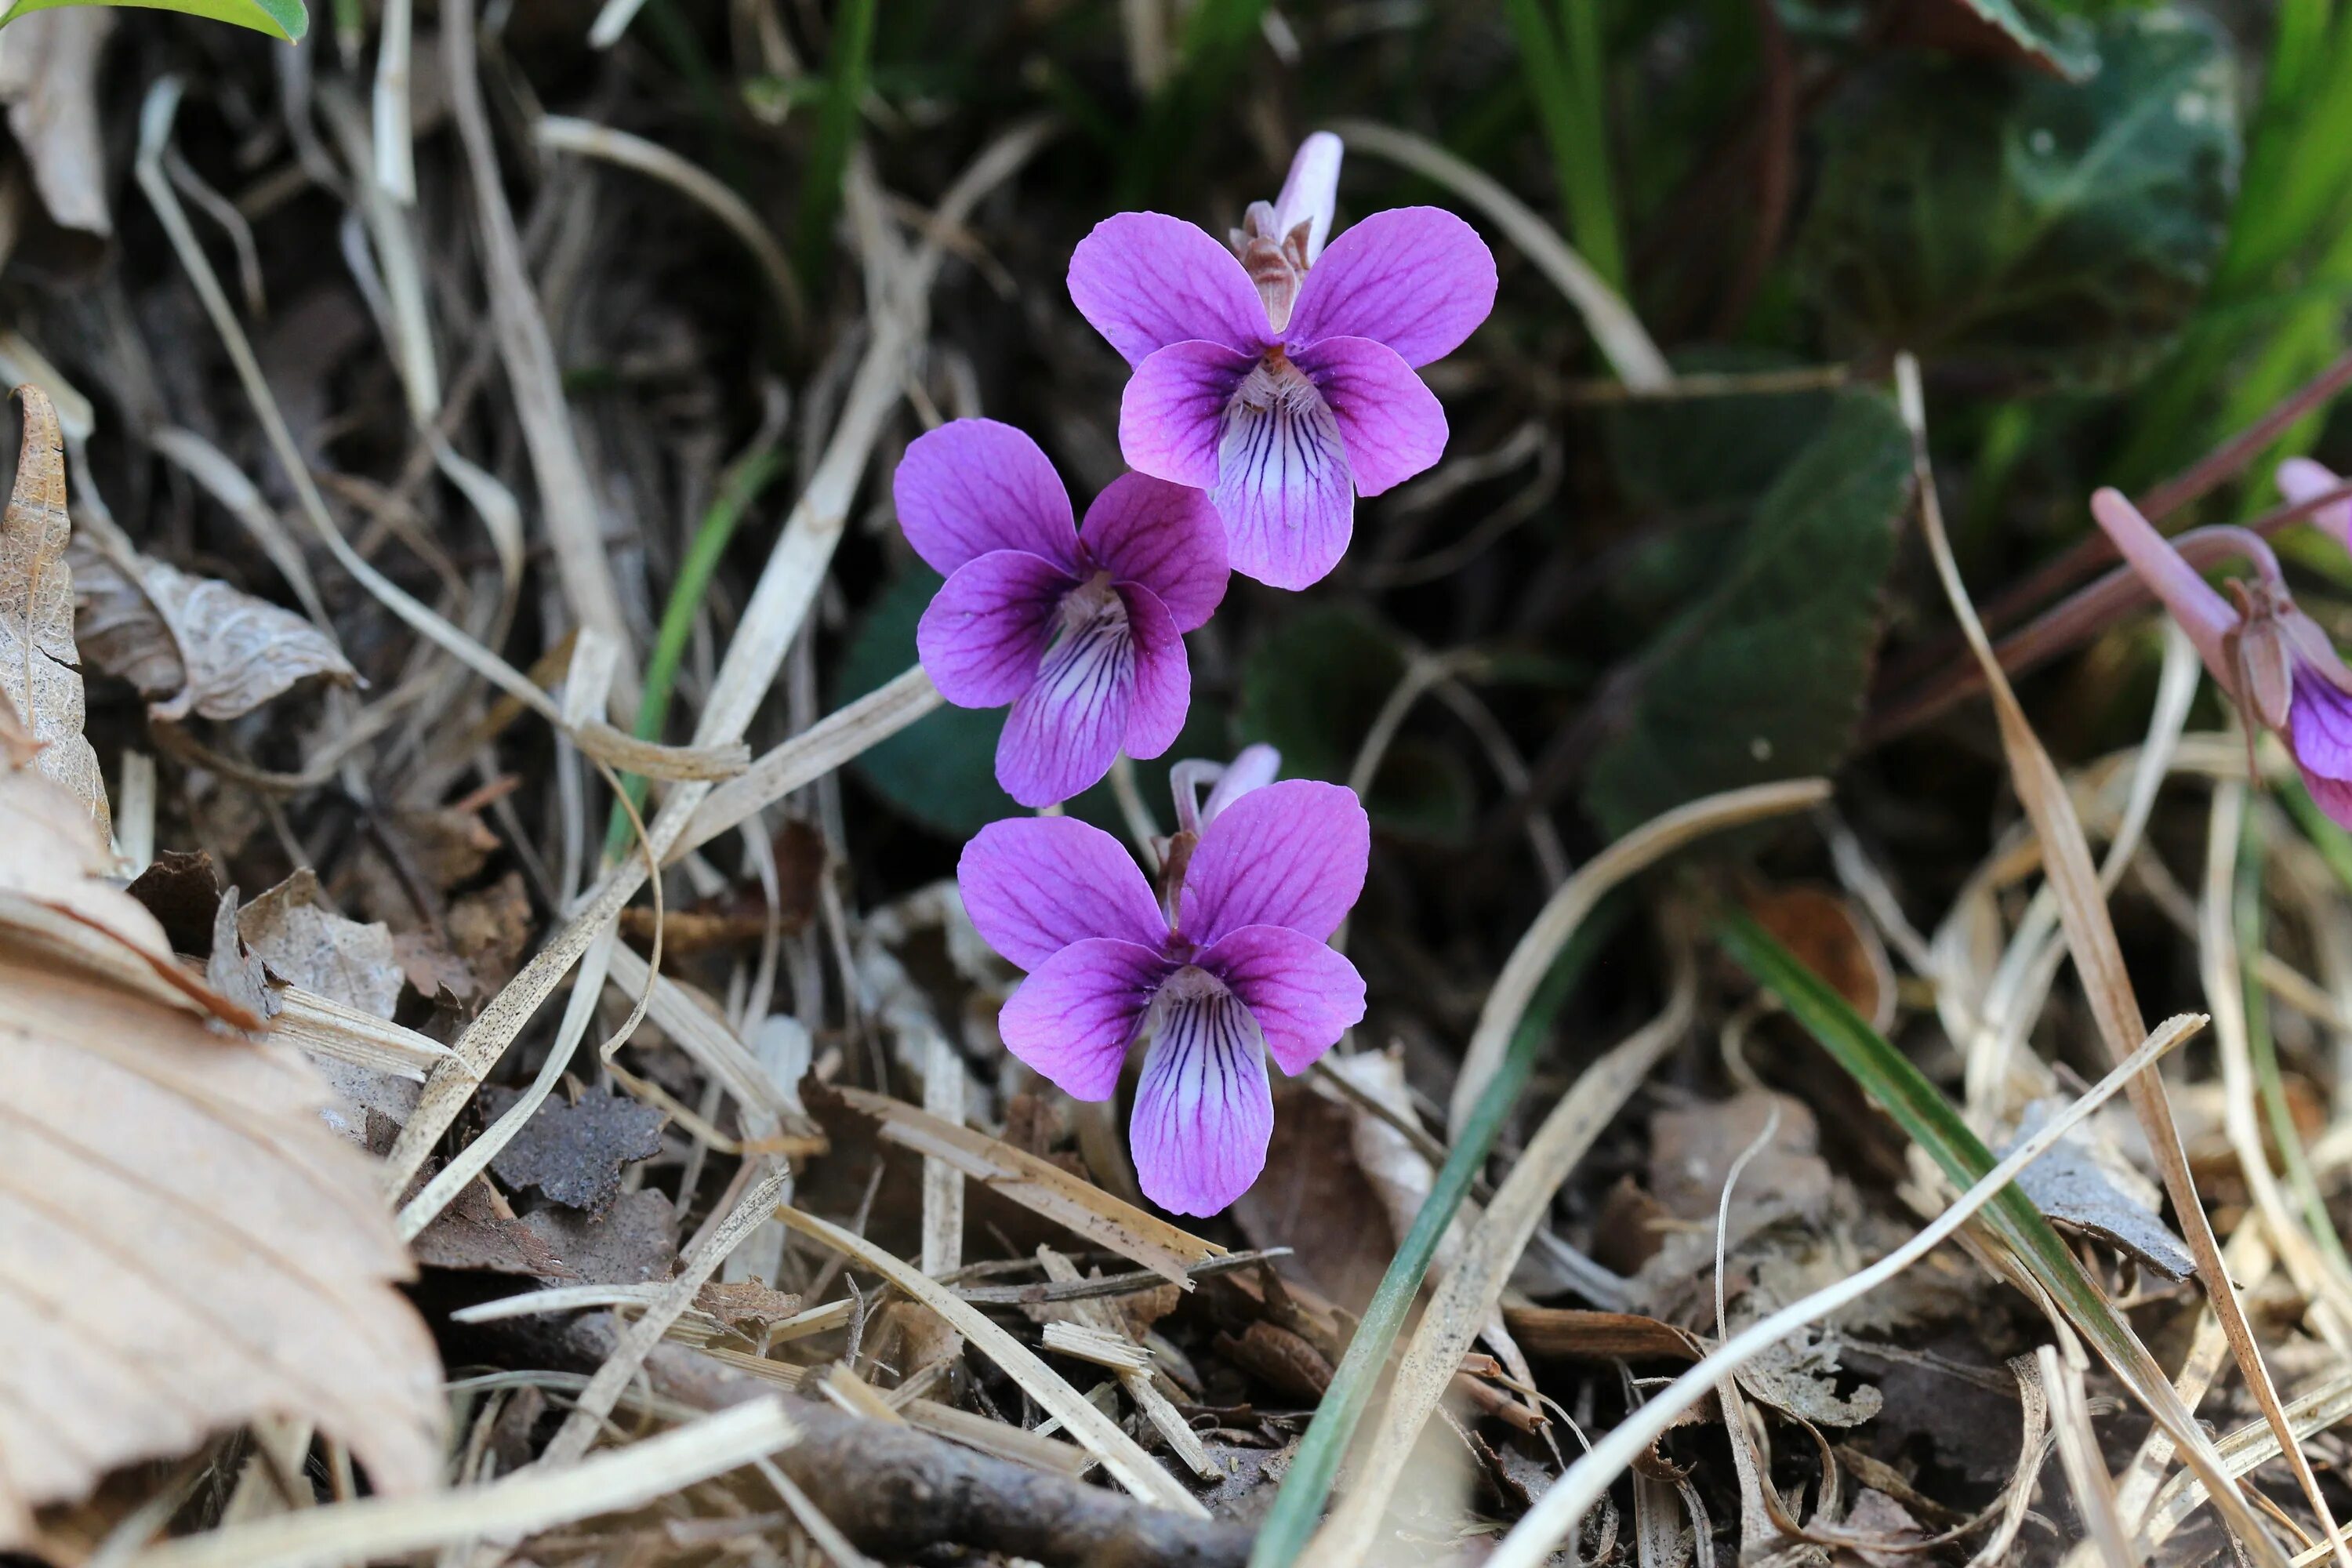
1393	425
2196	603
987	627
1253	767
972	486
1292	854
1163	689
1204	1110
1065	732
1310	192
1077	1014
1173	414
2299	479
1034	885
1163	537
1283	486
1302	994
1416	278
1145	280
2319	724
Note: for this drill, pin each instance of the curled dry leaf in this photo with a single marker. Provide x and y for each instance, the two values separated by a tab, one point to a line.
185	1245
48	80
39	669
194	645
306	943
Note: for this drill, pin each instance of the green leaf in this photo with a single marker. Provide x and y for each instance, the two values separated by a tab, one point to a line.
836	130
1312	691
942	770
1763	678
283	20
2031	31
2021	225
1747	439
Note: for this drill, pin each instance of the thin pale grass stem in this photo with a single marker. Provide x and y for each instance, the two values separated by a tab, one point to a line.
1546	1524
2107	984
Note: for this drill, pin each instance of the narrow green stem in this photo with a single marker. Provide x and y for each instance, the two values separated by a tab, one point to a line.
1566	76
836	128
1299	1504
736	491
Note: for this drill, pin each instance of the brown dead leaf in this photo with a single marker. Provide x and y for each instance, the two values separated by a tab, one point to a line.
1692	1149
48	80
51	897
1316	1200
233	970
306	943
1823	929
478	1233
632	1242
194	645
185	1245
489	930
431	969
182	891
746	1305
573	1153
2075	1187
39	666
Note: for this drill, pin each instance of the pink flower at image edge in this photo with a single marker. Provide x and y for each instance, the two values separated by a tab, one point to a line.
1244	971
1286	388
1079	629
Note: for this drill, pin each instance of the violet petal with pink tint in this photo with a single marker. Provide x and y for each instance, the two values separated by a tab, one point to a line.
2319	721
1145	280
1393	425
1416	278
1162	692
1163	537
1173	413
1310	192
988	626
2299	479
1032	885
1253	767
1066	729
1292	854
972	486
1302	994
1076	1015
1283	486
1204	1110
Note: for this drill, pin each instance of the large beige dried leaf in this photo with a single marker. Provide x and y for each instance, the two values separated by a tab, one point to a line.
39	667
194	645
302	941
185	1245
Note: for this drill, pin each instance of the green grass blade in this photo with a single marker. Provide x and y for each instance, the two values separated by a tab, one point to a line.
1564	78
836	128
741	488
1923	1113
1299	1504
282	19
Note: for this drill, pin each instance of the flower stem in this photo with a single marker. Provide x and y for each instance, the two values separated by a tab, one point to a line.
1299	1503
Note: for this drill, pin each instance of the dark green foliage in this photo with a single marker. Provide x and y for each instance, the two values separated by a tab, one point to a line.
1763	678
1313	689
2017	224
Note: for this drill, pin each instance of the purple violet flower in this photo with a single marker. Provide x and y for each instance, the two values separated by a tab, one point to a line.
1227	964
1276	376
2271	659
1080	630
